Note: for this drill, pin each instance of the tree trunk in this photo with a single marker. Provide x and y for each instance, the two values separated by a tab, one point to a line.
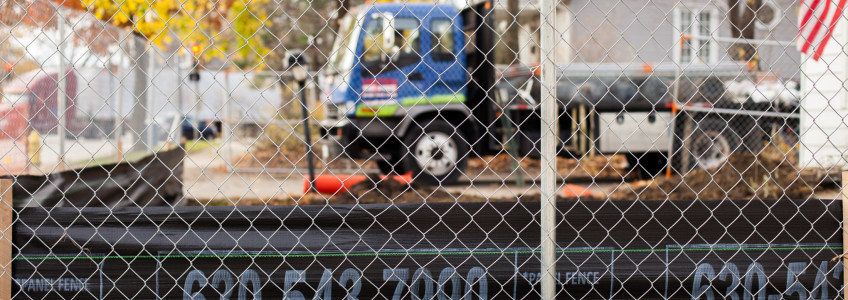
511	34
742	15
343	9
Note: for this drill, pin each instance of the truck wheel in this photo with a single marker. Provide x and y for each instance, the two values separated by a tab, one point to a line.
436	155
711	143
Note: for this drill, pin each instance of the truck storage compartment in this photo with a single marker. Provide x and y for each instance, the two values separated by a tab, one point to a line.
634	132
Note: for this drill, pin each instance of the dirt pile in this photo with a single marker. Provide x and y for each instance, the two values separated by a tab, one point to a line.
743	176
603	166
497	163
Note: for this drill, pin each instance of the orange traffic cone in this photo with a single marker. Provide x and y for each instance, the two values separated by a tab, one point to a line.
334	184
574	191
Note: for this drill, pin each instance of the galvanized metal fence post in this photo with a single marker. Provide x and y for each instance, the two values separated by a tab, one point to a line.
548	151
61	92
180	97
226	133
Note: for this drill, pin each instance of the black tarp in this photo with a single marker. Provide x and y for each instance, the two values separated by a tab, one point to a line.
607	249
152	180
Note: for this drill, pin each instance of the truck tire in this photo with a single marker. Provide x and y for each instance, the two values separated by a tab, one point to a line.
435	153
711	143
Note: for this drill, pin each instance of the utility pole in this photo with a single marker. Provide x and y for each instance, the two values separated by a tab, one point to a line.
150	129
141	85
227	128
119	119
180	97
511	34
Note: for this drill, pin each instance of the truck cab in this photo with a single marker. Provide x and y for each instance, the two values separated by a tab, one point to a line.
399	90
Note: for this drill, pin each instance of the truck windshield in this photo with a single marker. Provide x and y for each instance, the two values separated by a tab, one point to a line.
345	46
390	43
14	98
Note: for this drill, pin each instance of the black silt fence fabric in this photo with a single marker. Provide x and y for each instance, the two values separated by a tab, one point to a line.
607	249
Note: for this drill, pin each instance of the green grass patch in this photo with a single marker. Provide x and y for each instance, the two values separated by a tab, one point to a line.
200	145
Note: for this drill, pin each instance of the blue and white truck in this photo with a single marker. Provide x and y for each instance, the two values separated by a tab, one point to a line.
414	87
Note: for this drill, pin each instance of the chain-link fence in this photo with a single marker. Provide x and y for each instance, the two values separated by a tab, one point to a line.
423	150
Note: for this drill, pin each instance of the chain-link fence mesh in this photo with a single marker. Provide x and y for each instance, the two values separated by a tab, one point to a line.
347	149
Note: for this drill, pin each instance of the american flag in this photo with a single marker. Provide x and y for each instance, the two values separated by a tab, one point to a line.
816	20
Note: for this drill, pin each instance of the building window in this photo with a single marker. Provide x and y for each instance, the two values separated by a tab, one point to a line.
695	30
